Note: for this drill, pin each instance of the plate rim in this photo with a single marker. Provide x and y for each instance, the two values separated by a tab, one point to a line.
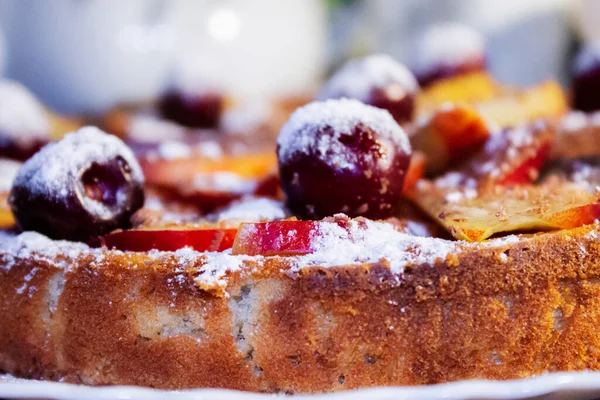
468	389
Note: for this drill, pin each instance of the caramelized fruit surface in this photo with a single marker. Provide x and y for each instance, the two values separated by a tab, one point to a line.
473	216
450	134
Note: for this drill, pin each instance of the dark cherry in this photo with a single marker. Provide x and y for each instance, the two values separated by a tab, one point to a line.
395	100
329	166
24	122
447	50
194	111
19	150
586	79
85	185
447	70
377	80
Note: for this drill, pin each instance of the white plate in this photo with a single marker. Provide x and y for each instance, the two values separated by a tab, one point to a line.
572	386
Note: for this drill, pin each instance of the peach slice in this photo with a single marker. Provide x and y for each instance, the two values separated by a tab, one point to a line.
475	216
469	88
6	218
184	170
506	106
60	125
279	238
518	106
169	239
451	133
416	171
512	157
211	182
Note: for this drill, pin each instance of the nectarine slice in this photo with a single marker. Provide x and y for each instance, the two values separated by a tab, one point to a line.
169	239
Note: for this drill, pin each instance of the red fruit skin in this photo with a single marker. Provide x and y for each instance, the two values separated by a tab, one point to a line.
316	187
400	105
201	111
445	71
9	148
416	171
140	240
528	170
515	164
274	238
577	216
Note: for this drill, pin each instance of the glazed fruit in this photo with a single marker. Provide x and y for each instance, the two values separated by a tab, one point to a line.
279	238
168	239
342	156
586	79
449	135
515	156
448	50
192	110
475	216
210	182
24	124
377	80
87	184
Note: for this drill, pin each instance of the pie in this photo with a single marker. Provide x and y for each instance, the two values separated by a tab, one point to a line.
384	235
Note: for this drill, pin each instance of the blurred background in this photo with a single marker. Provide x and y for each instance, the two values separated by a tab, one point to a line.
89	55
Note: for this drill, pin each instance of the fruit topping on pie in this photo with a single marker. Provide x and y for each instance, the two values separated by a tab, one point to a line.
502	105
170	238
192	110
249	209
474	216
336	240
586	78
9	169
24	124
511	157
342	156
494	191
447	50
87	184
449	135
416	171
377	80
209	181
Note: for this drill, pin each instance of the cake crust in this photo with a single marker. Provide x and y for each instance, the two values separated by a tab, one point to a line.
509	308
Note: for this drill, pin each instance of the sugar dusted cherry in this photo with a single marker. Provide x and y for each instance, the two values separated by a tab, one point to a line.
87	184
24	125
192	110
447	50
342	156
377	80
586	79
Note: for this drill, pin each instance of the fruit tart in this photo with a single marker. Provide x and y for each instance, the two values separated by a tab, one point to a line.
392	249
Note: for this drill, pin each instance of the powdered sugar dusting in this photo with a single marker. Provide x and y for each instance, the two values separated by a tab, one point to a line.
299	134
52	171
370	242
358	77
22	116
8	172
151	129
224	181
577	120
210	268
246	117
448	44
34	246
171	150
252	209
587	58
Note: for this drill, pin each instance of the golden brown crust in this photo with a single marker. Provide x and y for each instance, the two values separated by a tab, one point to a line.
518	309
